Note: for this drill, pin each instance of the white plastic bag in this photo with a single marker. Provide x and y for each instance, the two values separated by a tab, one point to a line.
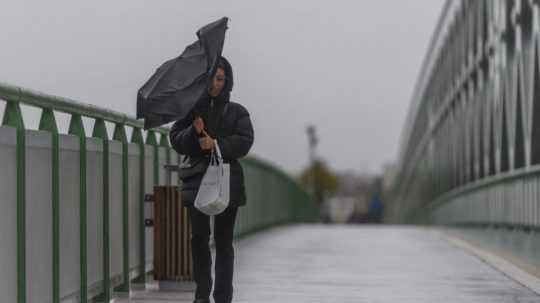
213	195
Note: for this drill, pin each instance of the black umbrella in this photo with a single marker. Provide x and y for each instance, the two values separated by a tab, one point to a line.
176	86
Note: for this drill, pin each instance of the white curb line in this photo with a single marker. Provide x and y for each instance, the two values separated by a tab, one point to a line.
514	272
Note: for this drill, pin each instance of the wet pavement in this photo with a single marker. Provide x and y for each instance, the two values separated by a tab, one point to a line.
340	263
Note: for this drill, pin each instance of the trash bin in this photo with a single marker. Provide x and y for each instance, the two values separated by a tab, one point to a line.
172	247
173	266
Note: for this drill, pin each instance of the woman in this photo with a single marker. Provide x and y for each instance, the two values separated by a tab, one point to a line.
215	117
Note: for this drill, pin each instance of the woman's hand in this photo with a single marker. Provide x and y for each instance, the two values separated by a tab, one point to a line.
206	142
198	123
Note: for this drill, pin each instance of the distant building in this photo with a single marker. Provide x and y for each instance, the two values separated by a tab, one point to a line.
357	189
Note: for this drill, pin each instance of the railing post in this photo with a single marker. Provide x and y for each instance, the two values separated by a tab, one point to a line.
164	142
151	139
48	123
76	128
13	118
100	131
120	135
137	138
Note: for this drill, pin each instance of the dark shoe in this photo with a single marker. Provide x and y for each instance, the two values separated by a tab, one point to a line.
201	301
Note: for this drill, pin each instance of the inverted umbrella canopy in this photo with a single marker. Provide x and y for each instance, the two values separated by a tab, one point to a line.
176	86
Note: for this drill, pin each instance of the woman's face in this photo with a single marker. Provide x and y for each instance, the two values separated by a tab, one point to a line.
217	83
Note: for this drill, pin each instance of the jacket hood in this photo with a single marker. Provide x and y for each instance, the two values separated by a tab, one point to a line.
225	94
203	104
229	78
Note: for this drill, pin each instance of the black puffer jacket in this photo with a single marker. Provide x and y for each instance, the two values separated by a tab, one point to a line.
227	122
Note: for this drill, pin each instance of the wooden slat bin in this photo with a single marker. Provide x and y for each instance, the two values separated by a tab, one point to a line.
172	233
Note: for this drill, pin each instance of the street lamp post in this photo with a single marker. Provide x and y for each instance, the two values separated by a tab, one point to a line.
313	141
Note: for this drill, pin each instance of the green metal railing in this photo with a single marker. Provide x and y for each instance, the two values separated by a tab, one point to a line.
484	203
273	197
470	155
14	96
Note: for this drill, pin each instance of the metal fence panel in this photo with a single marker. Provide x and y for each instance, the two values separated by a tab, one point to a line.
38	216
134	205
115	211
69	219
8	213
94	183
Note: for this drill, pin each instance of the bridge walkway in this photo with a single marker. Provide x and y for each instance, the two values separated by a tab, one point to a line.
347	263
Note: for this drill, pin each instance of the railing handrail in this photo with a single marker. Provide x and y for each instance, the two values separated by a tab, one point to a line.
521	173
263	164
26	96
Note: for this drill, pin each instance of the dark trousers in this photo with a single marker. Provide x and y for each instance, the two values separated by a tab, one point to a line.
202	258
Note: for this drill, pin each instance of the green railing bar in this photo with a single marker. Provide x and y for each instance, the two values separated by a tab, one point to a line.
302	195
485	182
26	96
76	128
100	131
284	212
120	135
137	138
151	139
164	142
48	123
13	118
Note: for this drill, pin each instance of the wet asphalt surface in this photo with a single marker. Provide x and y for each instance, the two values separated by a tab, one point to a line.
351	263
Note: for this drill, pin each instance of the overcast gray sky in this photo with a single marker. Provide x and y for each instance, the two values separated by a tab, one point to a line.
348	67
